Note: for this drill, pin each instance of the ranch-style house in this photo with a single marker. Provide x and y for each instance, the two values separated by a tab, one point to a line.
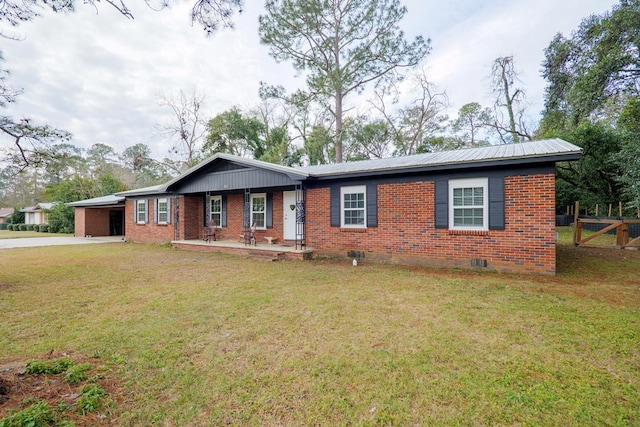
488	208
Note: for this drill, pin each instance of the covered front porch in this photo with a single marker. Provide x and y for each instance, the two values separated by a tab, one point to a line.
271	252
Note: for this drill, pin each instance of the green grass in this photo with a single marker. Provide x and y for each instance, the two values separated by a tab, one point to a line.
6	234
207	339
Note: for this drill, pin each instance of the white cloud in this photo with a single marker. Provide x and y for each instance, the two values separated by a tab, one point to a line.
99	75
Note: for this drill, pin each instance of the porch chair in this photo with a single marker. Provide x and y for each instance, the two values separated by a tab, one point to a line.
210	233
250	235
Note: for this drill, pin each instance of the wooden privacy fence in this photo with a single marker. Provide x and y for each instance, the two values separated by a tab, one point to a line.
621	226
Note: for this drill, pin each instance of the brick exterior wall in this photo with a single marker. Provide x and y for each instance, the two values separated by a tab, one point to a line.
193	218
93	221
406	232
148	232
78	227
97	222
191	221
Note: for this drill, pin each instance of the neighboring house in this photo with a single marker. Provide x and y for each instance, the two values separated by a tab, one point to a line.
37	214
490	207
5	214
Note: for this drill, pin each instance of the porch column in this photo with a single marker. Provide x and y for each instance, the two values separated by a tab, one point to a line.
300	217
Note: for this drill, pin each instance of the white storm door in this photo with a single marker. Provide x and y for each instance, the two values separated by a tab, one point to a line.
289	214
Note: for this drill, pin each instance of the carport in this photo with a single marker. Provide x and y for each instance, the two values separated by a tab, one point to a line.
100	216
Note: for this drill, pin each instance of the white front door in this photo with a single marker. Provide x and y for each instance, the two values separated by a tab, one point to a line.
289	214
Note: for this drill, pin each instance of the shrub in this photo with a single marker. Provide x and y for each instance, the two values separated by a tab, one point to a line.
4	226
61	217
21	227
43	228
90	398
16	217
48	367
77	373
39	414
30	227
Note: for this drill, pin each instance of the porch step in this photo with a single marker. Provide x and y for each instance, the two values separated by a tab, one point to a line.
267	256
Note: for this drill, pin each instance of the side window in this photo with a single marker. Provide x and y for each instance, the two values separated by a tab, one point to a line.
353	211
468	204
163	211
216	211
141	211
258	210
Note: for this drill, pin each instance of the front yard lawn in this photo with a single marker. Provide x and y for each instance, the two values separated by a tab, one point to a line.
209	339
6	234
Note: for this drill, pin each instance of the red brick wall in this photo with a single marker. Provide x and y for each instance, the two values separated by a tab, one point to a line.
97	222
79	222
149	232
235	225
406	232
191	222
93	221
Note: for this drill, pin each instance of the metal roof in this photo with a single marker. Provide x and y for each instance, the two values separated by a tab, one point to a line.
154	189
548	150
39	206
525	150
109	200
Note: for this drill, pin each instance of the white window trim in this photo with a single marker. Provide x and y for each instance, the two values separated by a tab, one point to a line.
352	190
212	198
255	196
166	201
469	183
146	211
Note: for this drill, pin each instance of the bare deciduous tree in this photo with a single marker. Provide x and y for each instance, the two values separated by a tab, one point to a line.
510	100
188	129
420	119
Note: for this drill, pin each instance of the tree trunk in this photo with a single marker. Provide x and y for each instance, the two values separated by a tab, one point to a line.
338	127
507	95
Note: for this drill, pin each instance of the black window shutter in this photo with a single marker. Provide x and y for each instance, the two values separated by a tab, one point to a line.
496	203
223	221
155	210
205	220
442	203
334	206
269	213
372	205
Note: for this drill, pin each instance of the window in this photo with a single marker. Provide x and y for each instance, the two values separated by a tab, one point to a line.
141	211
216	211
353	206
258	210
163	211
468	207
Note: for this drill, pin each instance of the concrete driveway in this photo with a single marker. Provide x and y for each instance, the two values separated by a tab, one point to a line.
31	242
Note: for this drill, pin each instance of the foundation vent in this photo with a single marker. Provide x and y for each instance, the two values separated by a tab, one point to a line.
479	263
355	254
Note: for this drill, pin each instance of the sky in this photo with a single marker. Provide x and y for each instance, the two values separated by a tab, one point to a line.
99	75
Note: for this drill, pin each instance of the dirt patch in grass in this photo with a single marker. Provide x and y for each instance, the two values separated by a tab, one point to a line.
5	286
17	387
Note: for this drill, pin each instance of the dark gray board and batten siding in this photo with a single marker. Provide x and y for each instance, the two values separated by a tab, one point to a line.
238	179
